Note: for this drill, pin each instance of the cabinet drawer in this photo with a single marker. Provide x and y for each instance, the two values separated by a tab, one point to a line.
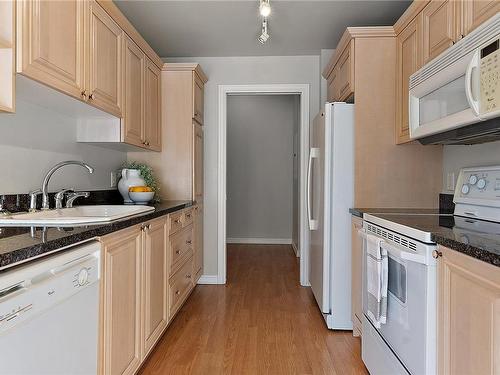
187	218
181	247
175	222
180	284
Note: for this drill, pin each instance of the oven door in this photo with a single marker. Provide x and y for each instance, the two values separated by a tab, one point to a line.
445	100
410	325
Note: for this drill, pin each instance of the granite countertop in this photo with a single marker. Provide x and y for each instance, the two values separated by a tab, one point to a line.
479	239
20	244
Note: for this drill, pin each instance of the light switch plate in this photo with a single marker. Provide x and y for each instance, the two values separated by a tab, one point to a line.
450	181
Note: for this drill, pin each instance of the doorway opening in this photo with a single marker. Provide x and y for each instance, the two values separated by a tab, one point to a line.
260	199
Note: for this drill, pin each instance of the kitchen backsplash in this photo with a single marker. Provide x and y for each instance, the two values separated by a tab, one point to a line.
35	138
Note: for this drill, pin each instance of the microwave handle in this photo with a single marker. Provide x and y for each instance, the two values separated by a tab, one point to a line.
470	79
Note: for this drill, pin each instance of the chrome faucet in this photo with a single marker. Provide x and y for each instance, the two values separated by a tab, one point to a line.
45	184
72	196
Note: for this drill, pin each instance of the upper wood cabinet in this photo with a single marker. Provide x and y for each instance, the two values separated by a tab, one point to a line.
440	24
475	12
89	50
340	74
7	55
51	39
155	282
133	119
121	302
468	315
105	61
198	98
152	98
408	61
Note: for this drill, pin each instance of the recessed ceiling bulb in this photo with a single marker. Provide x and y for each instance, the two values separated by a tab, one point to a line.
265	8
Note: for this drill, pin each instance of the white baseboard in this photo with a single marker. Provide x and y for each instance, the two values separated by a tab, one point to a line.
261	241
208	279
295	250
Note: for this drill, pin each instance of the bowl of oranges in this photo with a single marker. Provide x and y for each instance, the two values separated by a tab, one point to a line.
141	194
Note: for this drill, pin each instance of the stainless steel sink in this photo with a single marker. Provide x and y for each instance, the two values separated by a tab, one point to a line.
82	215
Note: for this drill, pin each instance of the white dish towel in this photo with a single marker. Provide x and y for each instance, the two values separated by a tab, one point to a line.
377	268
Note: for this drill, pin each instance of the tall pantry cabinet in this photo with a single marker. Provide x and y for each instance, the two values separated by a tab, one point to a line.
182	113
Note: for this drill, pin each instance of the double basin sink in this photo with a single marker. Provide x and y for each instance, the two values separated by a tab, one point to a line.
74	216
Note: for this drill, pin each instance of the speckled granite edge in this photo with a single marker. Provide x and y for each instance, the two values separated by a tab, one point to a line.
475	252
17	256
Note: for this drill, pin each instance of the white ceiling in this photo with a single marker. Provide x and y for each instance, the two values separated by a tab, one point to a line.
230	28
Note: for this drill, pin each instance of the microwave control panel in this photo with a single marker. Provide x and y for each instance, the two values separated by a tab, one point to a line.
490	80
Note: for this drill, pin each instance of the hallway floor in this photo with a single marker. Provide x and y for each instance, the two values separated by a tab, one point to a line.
261	322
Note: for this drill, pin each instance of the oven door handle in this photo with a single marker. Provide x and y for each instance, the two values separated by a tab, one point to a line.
403	254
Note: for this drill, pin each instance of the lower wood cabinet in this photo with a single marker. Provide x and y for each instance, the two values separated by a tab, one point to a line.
120	343
198	242
468	315
154	286
140	292
356	276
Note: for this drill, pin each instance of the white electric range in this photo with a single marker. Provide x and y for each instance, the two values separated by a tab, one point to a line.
406	344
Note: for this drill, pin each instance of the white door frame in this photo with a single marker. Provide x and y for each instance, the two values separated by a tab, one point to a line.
277	89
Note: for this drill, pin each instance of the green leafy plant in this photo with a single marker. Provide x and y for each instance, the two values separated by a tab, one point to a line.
147	174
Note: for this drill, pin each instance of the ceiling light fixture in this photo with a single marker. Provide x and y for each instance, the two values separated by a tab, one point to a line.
264	36
265	8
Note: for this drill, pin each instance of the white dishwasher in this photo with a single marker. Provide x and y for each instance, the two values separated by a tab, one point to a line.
49	313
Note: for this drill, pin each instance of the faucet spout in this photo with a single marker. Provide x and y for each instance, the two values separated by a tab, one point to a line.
45	184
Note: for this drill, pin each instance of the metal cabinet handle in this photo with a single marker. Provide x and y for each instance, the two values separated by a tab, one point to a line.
177	292
177	252
92	96
84	94
437	254
188	276
189	242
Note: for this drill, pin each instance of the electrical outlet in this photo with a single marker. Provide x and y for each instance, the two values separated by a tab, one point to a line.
450	181
113	179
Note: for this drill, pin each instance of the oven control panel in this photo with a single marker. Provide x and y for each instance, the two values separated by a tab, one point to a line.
477	193
489	77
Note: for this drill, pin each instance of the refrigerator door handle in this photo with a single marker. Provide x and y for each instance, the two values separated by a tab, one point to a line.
313	153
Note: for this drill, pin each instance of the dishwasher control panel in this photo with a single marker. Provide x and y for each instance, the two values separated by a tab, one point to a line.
39	291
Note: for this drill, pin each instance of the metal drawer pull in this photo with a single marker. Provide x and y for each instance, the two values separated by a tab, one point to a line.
177	251
188	276
189	242
177	221
177	292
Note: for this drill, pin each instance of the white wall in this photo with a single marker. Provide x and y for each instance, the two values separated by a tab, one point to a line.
296	174
242	70
260	130
35	138
456	157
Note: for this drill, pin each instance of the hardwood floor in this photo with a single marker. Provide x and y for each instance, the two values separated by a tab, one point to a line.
261	322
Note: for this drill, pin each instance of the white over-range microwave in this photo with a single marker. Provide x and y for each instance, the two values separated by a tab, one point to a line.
455	98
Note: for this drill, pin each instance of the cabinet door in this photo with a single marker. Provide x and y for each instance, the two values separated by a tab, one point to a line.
439	27
7	55
356	276
197	162
346	73
478	11
408	60
52	35
121	302
105	66
152	100
198	242
155	281
133	119
468	315
333	86
198	98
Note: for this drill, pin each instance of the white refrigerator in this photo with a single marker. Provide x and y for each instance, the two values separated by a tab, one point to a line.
330	194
